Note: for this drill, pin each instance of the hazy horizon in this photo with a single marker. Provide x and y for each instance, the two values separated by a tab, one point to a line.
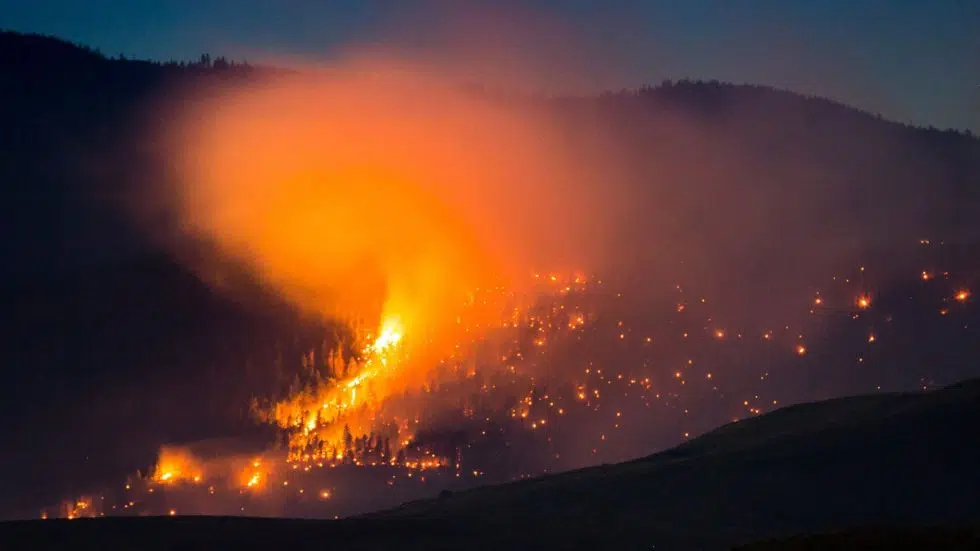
905	62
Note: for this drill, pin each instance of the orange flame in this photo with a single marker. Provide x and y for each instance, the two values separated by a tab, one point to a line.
177	465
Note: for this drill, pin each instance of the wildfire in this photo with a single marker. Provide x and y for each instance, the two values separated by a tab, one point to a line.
315	416
177	465
352	412
389	336
328	419
80	508
254	480
381	217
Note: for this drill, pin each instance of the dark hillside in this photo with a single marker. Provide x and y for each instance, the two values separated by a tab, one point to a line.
802	469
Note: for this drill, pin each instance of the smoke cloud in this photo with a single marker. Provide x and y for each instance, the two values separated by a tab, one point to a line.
379	185
372	188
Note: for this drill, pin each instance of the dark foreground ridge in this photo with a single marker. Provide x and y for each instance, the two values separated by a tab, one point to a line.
879	539
901	465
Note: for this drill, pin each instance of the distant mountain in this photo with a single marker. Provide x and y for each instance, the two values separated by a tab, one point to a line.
872	472
69	154
72	147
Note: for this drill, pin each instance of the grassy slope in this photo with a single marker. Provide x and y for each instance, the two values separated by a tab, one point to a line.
885	460
807	468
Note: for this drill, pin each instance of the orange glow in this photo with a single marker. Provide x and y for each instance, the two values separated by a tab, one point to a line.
80	508
962	295
254	476
367	203
389	335
177	465
800	350
349	192
863	302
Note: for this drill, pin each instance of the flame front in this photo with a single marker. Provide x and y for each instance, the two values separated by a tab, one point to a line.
389	336
315	417
177	465
353	397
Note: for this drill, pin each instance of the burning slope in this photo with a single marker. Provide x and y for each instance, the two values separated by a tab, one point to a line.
374	394
413	212
573	380
320	414
177	465
390	200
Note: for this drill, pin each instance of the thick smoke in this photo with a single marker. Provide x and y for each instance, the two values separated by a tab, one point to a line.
382	186
370	189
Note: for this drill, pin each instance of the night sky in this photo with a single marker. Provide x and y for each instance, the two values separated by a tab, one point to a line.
912	61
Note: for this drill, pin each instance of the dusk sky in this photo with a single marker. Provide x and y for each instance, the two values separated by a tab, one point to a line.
915	61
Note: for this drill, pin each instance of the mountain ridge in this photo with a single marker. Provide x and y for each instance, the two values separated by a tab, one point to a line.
71	103
27	41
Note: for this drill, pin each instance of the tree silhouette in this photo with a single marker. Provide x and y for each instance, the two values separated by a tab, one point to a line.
386	451
348	441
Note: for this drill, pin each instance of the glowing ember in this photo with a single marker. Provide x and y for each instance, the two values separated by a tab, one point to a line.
364	414
177	465
80	508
